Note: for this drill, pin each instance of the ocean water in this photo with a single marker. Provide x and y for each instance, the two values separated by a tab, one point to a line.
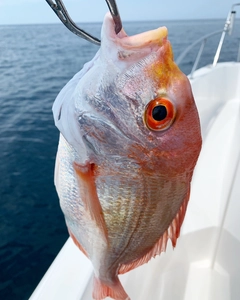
36	61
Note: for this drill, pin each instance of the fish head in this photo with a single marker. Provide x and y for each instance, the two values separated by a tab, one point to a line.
134	105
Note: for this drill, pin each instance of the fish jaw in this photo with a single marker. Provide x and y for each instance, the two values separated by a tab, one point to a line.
128	49
138	41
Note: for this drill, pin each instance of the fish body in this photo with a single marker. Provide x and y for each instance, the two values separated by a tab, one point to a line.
130	139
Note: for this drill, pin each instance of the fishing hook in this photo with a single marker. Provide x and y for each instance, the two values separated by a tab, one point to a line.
61	11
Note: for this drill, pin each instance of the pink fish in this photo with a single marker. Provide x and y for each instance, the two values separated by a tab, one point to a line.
130	139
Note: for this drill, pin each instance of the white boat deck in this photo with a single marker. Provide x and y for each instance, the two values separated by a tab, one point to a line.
205	264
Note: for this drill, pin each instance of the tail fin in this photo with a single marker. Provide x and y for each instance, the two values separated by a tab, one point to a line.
115	291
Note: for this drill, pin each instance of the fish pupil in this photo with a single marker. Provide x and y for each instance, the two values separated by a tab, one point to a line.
159	113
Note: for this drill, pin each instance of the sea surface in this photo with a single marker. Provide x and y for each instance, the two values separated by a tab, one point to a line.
36	61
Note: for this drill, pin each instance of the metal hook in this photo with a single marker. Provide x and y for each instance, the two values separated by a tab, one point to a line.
115	15
61	11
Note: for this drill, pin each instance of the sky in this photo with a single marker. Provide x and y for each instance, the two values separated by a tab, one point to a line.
38	11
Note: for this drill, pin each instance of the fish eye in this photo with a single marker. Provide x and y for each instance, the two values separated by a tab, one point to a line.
159	114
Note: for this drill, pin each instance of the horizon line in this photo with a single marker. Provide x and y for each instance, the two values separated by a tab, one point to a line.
100	22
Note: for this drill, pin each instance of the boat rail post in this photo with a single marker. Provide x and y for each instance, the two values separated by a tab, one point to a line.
198	57
227	28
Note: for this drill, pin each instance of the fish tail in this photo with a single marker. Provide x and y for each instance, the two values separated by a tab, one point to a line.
115	291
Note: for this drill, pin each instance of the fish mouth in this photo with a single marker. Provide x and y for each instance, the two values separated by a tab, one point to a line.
141	40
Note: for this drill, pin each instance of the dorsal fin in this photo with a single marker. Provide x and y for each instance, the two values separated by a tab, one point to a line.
171	233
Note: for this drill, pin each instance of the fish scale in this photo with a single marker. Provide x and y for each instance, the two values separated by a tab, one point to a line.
126	199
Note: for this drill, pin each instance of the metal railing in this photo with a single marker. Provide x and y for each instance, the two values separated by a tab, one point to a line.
228	27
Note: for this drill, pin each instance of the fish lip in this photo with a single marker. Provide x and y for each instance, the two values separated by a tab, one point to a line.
150	38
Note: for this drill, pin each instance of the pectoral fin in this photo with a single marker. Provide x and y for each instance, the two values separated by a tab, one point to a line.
88	192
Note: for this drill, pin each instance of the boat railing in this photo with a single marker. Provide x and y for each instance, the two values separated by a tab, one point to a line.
228	27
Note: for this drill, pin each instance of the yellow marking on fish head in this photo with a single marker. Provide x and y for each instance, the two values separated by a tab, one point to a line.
163	70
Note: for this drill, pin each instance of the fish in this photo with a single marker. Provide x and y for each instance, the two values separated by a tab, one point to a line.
129	141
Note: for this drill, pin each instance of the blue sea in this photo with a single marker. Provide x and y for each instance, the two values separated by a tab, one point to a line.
36	61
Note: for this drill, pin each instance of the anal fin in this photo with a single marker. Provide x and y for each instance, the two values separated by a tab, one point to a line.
88	192
171	233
